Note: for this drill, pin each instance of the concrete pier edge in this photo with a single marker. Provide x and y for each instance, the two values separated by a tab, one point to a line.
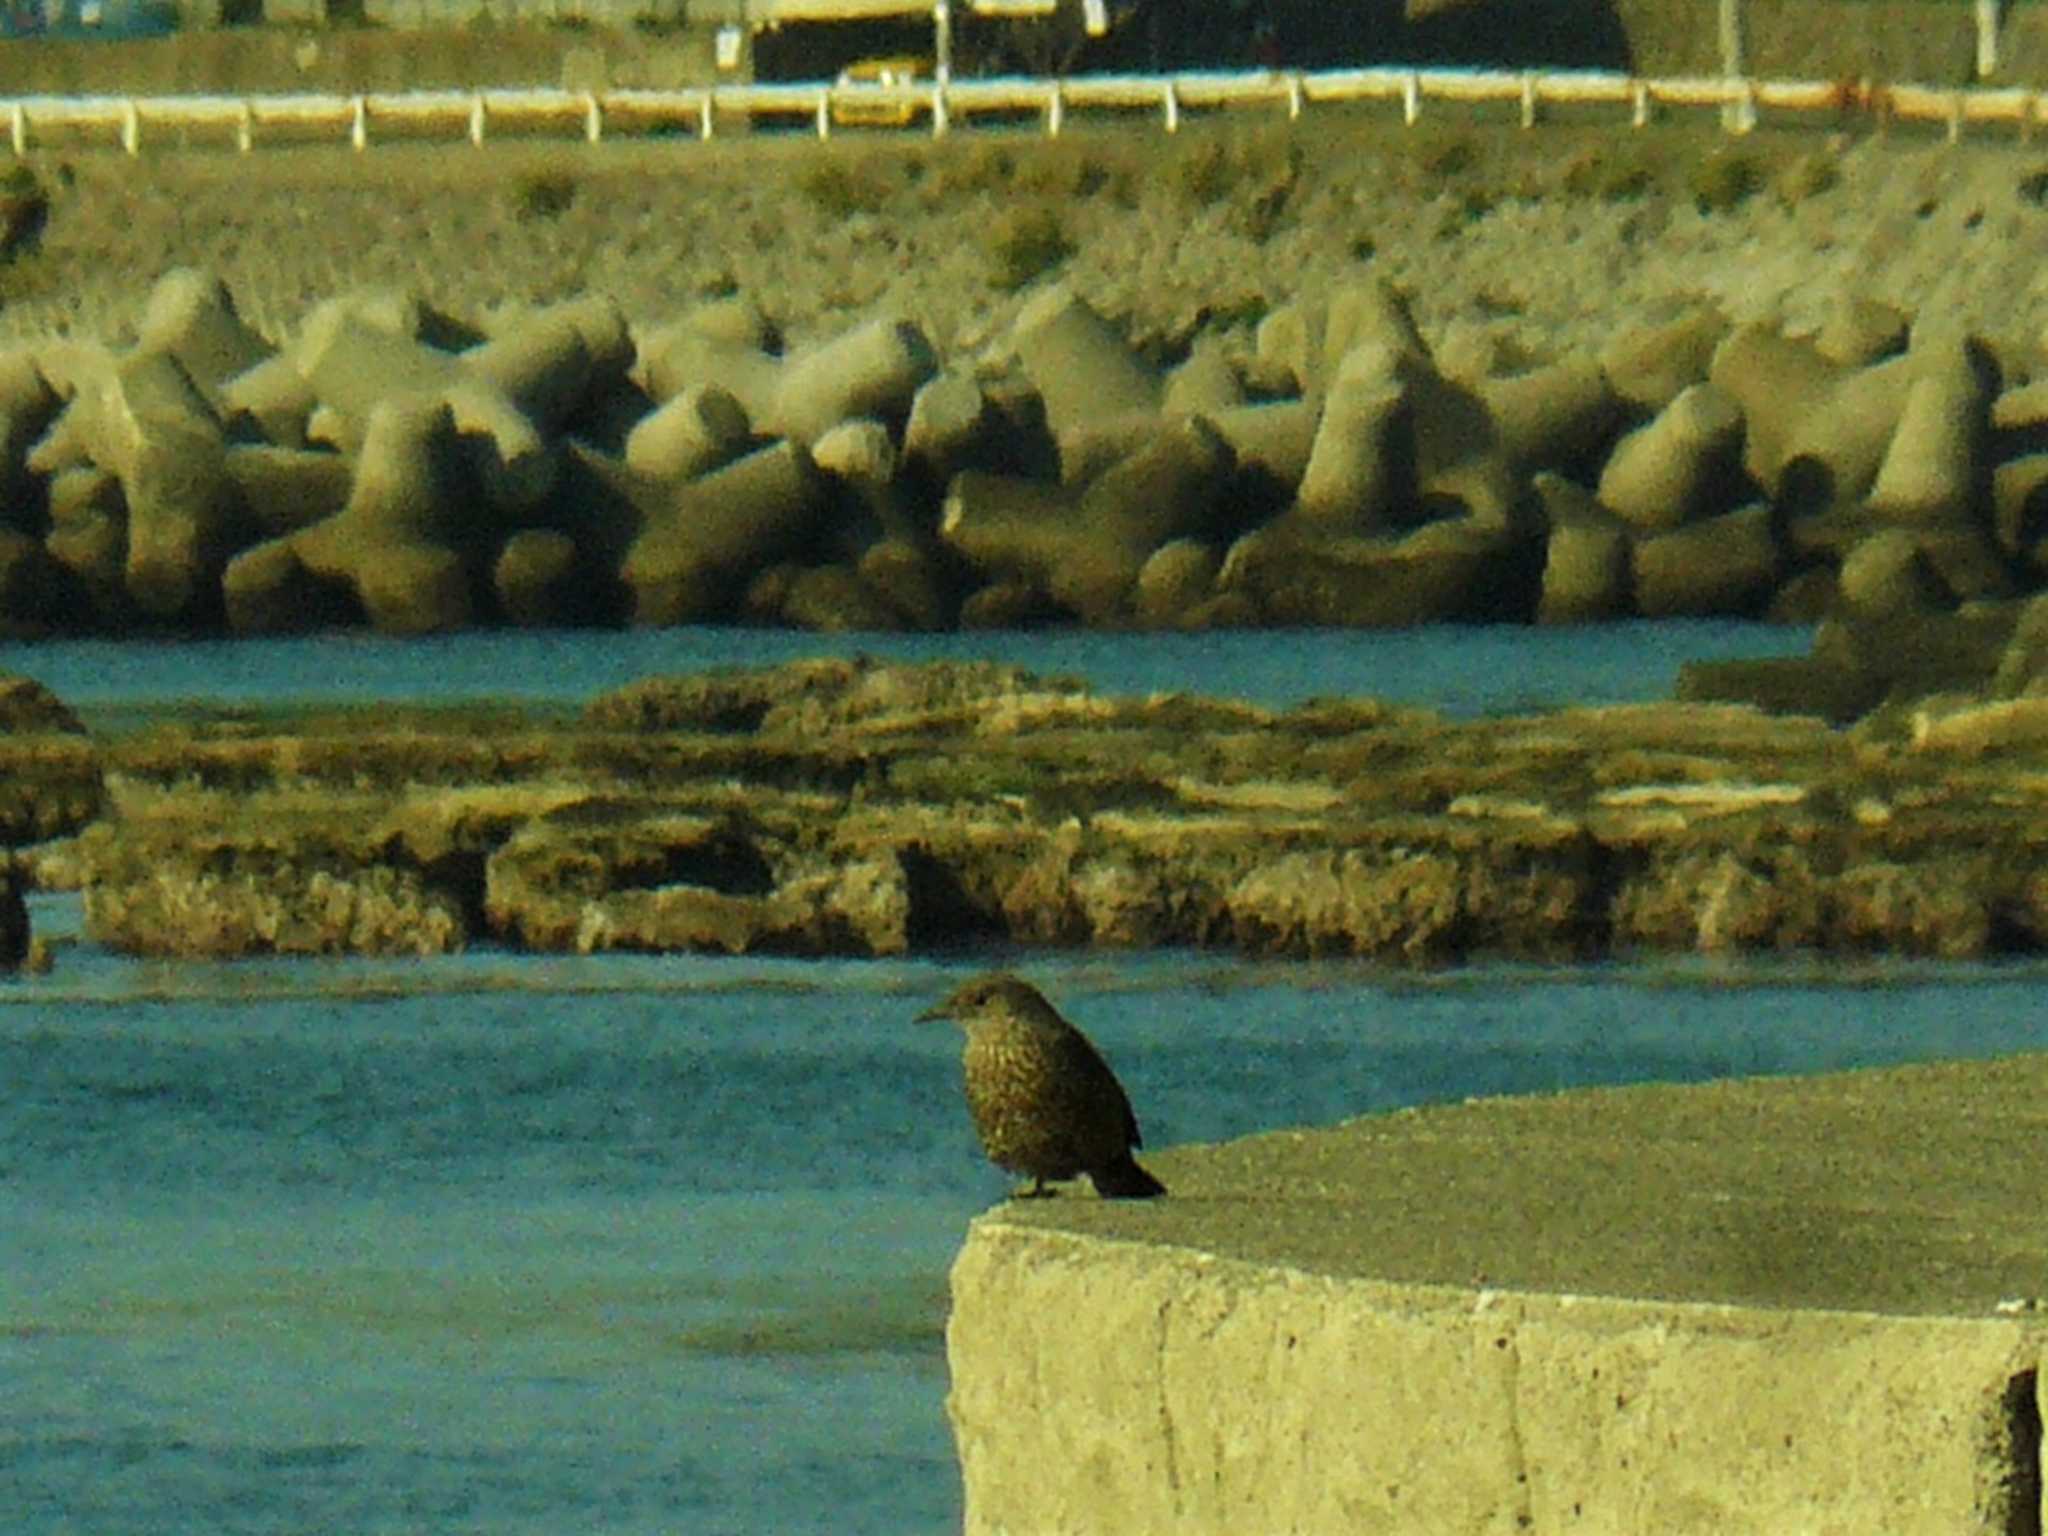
1109	1376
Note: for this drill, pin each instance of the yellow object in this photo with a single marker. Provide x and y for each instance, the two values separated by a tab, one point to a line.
849	106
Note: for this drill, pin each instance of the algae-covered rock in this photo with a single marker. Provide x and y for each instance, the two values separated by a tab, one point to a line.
1430	895
857	807
198	894
813	698
15	937
51	778
28	708
597	877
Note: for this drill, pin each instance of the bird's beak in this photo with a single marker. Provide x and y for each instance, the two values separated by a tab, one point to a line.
936	1011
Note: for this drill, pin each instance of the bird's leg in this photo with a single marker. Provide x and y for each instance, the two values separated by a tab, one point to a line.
1037	1191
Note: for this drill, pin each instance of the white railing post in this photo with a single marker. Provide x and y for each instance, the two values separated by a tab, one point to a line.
1055	110
476	119
359	124
1172	101
1739	115
1293	97
825	114
1639	104
245	128
942	122
704	115
593	118
131	127
1528	98
1411	98
17	127
1955	116
1987	38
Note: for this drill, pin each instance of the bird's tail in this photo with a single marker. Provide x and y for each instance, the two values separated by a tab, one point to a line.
1125	1180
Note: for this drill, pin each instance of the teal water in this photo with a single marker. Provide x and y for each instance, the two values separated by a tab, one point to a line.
499	1243
299	1247
1462	669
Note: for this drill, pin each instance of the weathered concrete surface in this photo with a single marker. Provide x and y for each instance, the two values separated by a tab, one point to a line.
1751	1306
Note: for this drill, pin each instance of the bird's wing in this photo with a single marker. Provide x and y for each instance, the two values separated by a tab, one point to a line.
1102	1083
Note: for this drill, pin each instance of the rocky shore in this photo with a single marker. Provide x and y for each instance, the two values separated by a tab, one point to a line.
853	808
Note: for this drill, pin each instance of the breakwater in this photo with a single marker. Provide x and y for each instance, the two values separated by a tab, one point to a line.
391	466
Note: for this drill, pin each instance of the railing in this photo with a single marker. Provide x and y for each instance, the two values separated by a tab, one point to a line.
247	120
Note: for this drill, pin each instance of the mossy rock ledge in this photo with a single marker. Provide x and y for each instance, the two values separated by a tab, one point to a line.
851	807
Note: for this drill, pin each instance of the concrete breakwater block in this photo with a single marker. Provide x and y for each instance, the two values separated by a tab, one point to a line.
1588	571
1563	416
873	370
1886	576
862	459
353	364
1171	487
535	578
34	588
948	415
1930	472
828	599
695	430
549	362
910	579
1360	468
1086	552
721	345
718	530
270	401
1272	442
1775	380
267	590
1859	330
393	544
1833	452
78	373
160	437
1458	569
281	490
1656	355
2019	510
28	406
1683	464
88	537
1719	565
1203	384
191	316
1083	369
1008	528
1361	314
1176	579
354	367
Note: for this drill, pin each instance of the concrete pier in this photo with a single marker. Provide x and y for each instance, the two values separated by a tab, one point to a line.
1769	1305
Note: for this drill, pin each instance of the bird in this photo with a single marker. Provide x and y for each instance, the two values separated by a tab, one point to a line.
1044	1102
